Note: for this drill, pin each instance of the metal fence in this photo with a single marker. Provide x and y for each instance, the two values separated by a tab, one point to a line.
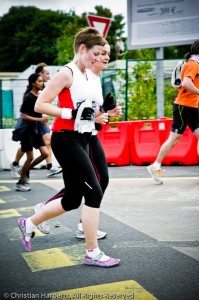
141	87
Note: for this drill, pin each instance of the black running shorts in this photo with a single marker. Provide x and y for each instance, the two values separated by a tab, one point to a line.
184	116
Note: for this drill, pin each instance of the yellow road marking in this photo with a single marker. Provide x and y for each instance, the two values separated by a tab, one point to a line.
27	208
9	213
128	289
55	257
4	188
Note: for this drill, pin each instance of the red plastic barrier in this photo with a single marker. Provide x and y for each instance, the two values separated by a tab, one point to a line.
185	152
138	143
148	136
115	138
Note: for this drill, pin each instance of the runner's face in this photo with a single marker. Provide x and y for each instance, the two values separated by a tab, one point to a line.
104	59
38	84
45	74
91	56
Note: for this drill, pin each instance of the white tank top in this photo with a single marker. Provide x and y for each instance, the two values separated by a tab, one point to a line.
82	89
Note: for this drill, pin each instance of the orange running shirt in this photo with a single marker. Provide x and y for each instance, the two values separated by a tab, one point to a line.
190	69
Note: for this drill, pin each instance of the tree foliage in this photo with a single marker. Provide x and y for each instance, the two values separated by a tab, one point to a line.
29	35
65	42
142	96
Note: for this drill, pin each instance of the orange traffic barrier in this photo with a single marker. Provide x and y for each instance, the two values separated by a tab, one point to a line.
138	143
115	138
185	152
147	136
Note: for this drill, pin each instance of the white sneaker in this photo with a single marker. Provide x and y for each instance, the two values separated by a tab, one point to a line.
53	171
15	170
22	186
155	174
80	233
44	226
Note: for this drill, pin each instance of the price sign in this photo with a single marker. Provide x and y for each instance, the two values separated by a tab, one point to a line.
158	23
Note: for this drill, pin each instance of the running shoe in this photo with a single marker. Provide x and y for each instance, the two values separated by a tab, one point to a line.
44	226
80	233
155	174
22	186
15	170
53	171
111	262
22	227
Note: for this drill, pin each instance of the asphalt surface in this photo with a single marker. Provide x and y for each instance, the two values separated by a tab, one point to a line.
153	229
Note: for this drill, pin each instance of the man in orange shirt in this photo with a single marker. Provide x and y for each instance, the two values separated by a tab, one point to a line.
185	110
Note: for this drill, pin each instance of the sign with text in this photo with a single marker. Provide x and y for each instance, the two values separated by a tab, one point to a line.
159	23
100	23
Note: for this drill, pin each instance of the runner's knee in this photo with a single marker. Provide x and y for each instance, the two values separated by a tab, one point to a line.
94	199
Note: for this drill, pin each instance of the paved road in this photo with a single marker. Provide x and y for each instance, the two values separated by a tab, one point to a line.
152	228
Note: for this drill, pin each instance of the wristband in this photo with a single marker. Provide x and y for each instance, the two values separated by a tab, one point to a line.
66	113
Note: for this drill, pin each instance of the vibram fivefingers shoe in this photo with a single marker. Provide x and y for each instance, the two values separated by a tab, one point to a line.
111	262
22	227
155	174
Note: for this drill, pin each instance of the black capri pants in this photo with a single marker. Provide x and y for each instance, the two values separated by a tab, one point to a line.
98	159
71	151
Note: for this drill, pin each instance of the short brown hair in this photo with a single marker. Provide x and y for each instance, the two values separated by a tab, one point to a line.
40	67
88	36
